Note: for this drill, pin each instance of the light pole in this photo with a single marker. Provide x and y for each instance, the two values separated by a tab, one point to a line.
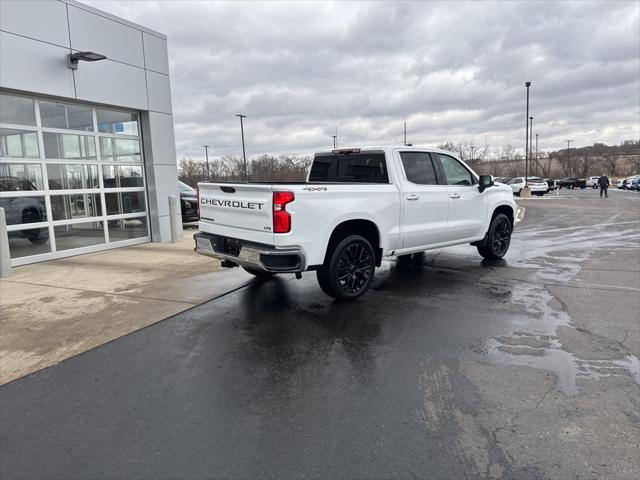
405	134
472	149
568	157
335	137
244	155
526	141
537	154
206	153
530	142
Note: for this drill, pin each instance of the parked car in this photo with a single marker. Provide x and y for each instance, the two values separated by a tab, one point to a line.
592	182
551	184
635	184
537	185
573	182
24	210
356	207
188	203
625	183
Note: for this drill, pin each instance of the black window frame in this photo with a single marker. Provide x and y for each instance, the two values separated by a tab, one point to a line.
436	156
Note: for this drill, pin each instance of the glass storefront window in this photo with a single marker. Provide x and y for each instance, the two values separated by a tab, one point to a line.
63	162
20	210
125	202
18	143
127	228
69	116
79	235
15	177
80	205
120	149
124	123
125	176
69	147
17	110
72	176
31	241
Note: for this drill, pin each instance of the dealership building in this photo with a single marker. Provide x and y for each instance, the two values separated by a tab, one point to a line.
87	149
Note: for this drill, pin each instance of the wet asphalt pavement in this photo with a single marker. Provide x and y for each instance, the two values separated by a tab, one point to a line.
449	368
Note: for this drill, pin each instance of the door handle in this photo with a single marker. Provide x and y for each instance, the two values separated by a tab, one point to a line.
413	196
455	195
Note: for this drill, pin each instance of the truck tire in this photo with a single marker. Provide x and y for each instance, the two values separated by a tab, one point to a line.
349	269
498	238
258	273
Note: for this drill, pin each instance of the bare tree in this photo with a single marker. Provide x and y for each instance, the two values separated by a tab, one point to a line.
191	171
609	162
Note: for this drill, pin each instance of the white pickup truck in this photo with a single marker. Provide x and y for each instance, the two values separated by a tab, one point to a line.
357	206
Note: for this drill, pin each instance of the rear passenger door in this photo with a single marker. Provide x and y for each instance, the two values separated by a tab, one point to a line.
467	206
425	201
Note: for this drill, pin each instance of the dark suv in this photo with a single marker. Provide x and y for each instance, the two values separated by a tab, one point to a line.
188	203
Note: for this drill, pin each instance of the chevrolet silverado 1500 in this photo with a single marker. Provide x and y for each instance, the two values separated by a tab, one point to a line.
357	206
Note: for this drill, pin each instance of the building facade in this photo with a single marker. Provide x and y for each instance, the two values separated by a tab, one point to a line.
87	154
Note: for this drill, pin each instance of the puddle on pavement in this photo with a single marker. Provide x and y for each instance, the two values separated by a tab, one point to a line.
538	315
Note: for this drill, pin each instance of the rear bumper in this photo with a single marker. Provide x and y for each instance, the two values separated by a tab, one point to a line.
252	255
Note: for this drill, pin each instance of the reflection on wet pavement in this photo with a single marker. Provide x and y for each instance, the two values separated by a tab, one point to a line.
553	260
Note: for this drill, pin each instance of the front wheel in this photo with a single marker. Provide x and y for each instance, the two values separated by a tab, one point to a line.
498	238
349	269
258	273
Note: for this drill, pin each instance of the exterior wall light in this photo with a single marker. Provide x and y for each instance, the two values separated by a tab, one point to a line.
74	58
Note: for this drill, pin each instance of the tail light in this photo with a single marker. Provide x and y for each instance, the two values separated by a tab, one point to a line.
198	201
281	218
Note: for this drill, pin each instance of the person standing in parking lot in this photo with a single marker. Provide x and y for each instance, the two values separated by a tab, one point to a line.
603	183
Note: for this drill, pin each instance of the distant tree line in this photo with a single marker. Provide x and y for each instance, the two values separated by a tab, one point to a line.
614	160
264	168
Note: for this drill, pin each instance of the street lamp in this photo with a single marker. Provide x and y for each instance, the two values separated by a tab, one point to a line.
206	153
537	153
568	162
526	138
530	141
244	155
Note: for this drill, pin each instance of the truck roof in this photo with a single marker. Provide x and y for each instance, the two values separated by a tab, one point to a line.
389	148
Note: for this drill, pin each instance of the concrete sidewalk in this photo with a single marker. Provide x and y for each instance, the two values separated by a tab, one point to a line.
53	310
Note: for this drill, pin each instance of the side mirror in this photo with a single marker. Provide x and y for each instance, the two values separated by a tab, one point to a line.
486	181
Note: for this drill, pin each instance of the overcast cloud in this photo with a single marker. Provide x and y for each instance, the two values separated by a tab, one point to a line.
454	71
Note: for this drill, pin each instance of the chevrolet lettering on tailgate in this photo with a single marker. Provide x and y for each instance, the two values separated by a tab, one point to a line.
215	202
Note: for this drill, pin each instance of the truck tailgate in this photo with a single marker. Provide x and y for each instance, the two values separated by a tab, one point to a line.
242	206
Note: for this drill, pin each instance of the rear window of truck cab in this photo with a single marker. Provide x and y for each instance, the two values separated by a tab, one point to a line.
360	167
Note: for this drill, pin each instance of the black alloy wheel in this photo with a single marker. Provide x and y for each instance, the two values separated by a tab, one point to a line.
349	270
498	238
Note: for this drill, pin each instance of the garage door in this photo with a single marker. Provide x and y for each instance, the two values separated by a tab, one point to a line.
71	178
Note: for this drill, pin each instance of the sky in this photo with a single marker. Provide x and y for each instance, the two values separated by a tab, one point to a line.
453	70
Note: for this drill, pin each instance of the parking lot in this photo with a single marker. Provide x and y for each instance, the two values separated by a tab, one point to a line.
449	367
